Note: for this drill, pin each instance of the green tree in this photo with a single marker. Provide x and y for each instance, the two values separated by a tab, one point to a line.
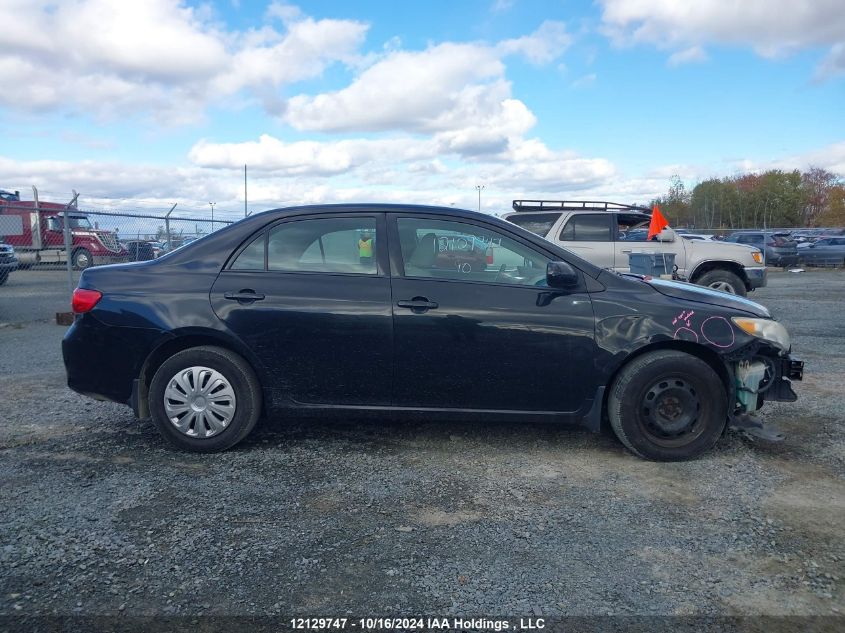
675	205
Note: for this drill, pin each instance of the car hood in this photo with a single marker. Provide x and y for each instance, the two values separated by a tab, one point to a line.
692	292
712	248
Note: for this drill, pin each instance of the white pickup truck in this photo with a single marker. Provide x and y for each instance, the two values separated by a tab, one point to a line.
606	233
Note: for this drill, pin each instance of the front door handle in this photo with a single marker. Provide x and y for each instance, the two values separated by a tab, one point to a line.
418	304
244	296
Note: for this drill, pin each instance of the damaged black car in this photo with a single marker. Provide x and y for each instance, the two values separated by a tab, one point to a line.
413	312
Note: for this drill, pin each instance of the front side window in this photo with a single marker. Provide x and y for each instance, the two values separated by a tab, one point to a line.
587	227
632	227
444	249
330	245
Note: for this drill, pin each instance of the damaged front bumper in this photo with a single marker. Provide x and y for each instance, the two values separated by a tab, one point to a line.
759	377
763	377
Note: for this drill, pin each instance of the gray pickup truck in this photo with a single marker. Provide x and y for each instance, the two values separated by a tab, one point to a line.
606	233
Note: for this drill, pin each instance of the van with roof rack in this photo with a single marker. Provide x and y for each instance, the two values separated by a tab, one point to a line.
607	233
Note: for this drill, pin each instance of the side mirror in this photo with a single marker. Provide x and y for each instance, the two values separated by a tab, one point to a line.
561	275
666	235
53	224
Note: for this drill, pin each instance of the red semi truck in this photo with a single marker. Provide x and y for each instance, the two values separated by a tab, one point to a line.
40	238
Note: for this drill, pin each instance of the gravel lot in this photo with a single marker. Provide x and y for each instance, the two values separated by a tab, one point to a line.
98	516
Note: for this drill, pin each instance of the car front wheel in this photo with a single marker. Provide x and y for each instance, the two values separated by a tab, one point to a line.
667	406
82	259
205	399
724	281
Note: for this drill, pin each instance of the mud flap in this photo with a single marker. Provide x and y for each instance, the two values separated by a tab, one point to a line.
753	426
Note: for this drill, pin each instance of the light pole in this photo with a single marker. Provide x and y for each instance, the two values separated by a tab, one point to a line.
480	188
212	215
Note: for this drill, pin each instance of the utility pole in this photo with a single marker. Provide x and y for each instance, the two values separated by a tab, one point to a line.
212	215
480	188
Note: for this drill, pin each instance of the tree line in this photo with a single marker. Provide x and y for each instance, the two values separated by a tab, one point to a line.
775	198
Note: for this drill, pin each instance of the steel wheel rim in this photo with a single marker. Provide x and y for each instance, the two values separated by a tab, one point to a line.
199	402
723	286
671	412
82	260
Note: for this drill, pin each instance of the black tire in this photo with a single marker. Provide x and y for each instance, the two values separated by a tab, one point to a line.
82	259
668	380
724	281
239	375
4	277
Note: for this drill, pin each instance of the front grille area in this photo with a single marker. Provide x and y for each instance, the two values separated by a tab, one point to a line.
109	241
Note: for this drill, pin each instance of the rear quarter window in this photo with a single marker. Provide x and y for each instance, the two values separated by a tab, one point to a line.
539	223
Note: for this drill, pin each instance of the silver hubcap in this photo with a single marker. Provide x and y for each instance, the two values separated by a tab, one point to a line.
723	286
199	402
82	260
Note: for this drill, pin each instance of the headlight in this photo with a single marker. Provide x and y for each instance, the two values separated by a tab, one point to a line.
765	329
757	256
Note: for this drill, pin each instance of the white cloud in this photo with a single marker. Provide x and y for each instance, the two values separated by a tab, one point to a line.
830	157
161	56
687	56
312	158
771	27
545	45
448	87
833	65
584	82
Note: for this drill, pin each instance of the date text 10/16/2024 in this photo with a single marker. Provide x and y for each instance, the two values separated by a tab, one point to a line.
417	624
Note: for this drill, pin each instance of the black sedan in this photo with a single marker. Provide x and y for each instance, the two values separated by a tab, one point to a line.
351	310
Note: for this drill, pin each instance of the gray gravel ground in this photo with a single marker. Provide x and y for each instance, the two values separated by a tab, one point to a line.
99	516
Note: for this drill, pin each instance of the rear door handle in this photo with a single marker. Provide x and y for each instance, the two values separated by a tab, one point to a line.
244	296
418	304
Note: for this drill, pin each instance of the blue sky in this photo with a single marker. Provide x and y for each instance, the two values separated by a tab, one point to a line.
329	101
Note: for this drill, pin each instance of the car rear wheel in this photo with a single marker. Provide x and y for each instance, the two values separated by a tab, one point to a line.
667	406
724	281
205	399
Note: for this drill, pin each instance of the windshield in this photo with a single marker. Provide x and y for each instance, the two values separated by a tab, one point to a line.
79	222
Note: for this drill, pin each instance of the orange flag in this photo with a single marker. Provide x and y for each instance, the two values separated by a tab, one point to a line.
657	224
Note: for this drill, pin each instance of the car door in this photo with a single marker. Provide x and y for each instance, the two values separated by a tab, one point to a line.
589	235
315	310
488	338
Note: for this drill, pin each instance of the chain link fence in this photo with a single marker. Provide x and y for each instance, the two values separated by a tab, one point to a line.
44	246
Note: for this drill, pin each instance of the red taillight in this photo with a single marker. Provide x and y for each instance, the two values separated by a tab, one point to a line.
84	300
489	255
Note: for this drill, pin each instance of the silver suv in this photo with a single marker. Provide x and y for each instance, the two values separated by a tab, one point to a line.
606	233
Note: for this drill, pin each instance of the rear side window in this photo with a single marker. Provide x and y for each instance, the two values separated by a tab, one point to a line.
252	257
539	223
331	245
587	227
